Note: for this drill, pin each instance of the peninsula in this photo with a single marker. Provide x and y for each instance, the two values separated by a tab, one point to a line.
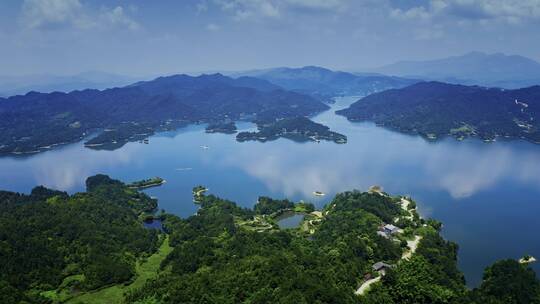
435	110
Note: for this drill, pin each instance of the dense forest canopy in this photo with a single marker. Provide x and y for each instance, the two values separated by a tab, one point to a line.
435	109
37	121
53	243
294	128
47	236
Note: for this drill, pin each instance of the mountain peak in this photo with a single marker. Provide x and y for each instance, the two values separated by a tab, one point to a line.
473	68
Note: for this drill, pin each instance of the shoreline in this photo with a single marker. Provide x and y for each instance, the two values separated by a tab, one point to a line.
150	185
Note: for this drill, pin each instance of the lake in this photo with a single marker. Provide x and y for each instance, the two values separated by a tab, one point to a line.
486	194
290	220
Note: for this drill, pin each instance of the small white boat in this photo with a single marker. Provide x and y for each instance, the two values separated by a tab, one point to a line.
183	169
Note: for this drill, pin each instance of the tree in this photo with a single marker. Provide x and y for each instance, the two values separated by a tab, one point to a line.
509	282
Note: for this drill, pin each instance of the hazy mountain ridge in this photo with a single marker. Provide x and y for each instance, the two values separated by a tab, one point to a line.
14	85
474	68
325	83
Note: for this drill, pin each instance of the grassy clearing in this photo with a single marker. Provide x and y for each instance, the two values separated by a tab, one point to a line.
464	129
114	294
258	223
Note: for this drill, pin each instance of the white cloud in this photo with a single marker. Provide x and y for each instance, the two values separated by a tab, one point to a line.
254	9
509	11
415	13
202	7
247	9
317	4
212	27
52	13
59	14
268	9
117	16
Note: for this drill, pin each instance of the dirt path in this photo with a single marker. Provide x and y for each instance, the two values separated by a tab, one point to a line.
412	247
407	255
365	286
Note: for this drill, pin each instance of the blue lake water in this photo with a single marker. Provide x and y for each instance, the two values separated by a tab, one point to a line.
153	224
290	220
486	194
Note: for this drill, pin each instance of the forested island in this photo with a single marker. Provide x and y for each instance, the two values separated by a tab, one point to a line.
436	110
296	128
37	122
91	247
228	127
147	183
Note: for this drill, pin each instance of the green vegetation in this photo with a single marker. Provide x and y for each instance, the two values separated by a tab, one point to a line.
147	183
221	260
297	128
92	248
430	276
198	193
52	244
145	269
266	205
435	110
221	127
303	207
507	282
36	122
117	137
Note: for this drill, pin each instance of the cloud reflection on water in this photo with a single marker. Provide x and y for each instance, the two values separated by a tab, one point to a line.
392	160
67	169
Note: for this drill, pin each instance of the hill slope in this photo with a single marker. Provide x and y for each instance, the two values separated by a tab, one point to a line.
435	109
296	128
13	85
324	83
36	121
91	247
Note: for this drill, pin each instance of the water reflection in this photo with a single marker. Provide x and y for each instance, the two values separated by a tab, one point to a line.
64	168
380	157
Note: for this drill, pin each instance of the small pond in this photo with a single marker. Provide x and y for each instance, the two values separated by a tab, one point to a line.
153	224
290	220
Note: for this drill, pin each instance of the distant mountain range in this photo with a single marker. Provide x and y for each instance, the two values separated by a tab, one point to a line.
475	68
435	109
325	84
37	121
13	85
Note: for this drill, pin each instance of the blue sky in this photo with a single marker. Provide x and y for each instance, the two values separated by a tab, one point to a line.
146	38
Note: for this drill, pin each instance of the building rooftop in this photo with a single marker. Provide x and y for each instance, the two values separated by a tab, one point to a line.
390	227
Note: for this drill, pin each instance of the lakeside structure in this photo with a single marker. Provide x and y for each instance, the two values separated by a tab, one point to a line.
390	231
527	259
